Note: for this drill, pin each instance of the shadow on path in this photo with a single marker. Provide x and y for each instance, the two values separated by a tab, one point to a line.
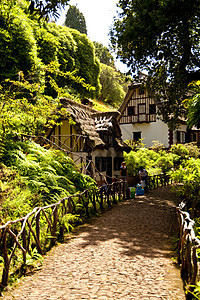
142	225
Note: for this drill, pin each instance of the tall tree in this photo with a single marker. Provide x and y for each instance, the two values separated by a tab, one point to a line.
161	37
75	19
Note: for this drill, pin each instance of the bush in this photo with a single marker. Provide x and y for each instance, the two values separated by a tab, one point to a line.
40	177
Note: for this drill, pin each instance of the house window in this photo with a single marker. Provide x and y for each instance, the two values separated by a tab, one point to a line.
117	163
131	110
152	109
100	163
136	136
141	109
180	137
193	137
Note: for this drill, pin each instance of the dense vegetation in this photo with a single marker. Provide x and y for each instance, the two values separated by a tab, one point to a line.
181	163
29	45
32	176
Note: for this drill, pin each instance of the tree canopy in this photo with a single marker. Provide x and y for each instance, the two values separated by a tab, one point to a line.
161	37
104	54
29	45
47	8
75	19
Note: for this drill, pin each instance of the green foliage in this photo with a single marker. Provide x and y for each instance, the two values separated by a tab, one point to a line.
196	291
112	91
192	105
180	150
46	8
24	108
75	19
30	46
143	157
86	62
103	54
69	221
33	258
18	51
42	177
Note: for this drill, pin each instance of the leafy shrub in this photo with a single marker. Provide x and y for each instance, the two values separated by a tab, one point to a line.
41	177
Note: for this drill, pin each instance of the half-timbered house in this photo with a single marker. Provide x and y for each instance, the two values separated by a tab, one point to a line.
139	120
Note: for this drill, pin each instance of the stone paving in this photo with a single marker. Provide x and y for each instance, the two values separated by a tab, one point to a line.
122	254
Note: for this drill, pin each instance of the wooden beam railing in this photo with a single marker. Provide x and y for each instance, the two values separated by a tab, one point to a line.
156	181
43	226
187	250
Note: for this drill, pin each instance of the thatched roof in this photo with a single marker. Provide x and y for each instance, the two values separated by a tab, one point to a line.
85	125
95	125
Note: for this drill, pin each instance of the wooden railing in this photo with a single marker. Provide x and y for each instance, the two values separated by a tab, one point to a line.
187	250
156	181
42	227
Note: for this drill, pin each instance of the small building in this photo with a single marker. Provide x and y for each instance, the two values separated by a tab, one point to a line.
139	120
91	138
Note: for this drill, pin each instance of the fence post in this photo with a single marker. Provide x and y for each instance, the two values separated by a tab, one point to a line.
94	201
55	221
108	194
101	197
6	259
114	191
24	246
86	202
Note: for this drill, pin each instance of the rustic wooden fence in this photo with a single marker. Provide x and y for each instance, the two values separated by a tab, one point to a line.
42	227
187	250
156	181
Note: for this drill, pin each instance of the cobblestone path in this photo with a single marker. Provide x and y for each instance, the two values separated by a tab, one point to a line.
123	254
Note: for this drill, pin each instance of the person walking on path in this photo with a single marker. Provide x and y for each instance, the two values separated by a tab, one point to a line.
143	174
123	171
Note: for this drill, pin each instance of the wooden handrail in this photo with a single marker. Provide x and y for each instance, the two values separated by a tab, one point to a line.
188	244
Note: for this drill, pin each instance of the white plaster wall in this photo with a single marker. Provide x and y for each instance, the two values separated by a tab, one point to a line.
154	131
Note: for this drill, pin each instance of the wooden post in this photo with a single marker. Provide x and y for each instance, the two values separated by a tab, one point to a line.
108	194
101	198
94	200
38	226
35	237
114	191
86	203
55	221
6	259
24	246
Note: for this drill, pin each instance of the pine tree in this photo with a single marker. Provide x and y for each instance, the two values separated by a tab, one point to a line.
75	19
